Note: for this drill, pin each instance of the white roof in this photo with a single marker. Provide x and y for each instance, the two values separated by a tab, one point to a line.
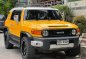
40	8
18	8
34	8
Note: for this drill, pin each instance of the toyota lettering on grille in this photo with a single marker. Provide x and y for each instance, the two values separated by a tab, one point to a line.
60	32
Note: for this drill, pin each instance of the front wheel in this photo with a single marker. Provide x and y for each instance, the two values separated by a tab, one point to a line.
27	51
73	52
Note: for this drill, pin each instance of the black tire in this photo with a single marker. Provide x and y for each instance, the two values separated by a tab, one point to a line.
8	45
73	52
27	51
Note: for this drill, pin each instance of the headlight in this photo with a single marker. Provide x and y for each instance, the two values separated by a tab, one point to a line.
45	33
74	32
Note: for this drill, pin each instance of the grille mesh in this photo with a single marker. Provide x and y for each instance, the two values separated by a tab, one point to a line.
60	33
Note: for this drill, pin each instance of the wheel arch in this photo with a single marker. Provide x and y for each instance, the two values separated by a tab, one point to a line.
5	29
22	34
25	34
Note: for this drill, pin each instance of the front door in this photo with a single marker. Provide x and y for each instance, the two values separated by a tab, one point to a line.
15	23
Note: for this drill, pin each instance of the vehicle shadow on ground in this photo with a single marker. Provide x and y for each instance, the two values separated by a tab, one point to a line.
53	56
58	55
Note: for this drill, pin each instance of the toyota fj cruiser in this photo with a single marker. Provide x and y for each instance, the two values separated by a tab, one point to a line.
40	29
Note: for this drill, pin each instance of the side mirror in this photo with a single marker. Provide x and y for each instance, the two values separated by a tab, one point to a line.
63	15
16	18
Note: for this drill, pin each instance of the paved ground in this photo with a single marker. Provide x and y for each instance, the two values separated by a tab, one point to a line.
15	53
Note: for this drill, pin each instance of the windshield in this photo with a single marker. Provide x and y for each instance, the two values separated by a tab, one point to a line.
42	15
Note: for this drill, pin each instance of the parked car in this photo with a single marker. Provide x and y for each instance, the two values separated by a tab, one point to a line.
2	20
40	29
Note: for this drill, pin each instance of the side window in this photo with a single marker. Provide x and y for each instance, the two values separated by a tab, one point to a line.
16	13
30	15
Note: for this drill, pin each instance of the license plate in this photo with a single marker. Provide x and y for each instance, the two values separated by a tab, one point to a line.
62	42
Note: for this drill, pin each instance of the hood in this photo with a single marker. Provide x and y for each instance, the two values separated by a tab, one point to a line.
49	24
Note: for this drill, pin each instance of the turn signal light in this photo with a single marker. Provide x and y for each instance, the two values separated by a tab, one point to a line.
78	31
36	32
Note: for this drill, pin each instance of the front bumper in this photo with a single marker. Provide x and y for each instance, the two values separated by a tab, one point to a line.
51	43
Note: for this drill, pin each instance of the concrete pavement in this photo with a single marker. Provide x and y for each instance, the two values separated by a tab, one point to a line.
8	53
83	49
15	53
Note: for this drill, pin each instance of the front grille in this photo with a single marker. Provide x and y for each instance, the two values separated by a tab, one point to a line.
60	33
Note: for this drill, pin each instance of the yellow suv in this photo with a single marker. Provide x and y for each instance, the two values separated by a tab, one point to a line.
40	29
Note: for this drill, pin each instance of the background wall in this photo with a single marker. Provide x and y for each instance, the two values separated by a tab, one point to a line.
78	7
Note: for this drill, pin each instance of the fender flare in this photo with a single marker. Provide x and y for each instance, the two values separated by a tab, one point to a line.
5	29
26	34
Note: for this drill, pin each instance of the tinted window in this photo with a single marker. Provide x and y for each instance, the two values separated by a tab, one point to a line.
16	12
42	15
2	18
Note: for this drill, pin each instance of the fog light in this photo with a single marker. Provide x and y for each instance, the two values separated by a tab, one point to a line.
37	43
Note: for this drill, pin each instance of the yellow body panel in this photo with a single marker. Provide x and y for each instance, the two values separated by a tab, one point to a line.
15	28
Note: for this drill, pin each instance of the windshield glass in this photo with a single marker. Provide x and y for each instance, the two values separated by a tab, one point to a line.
42	15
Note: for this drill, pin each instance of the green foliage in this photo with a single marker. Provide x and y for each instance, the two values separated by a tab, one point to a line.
66	10
1	4
81	22
5	6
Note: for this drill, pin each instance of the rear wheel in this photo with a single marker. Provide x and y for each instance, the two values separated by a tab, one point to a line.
27	51
8	45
